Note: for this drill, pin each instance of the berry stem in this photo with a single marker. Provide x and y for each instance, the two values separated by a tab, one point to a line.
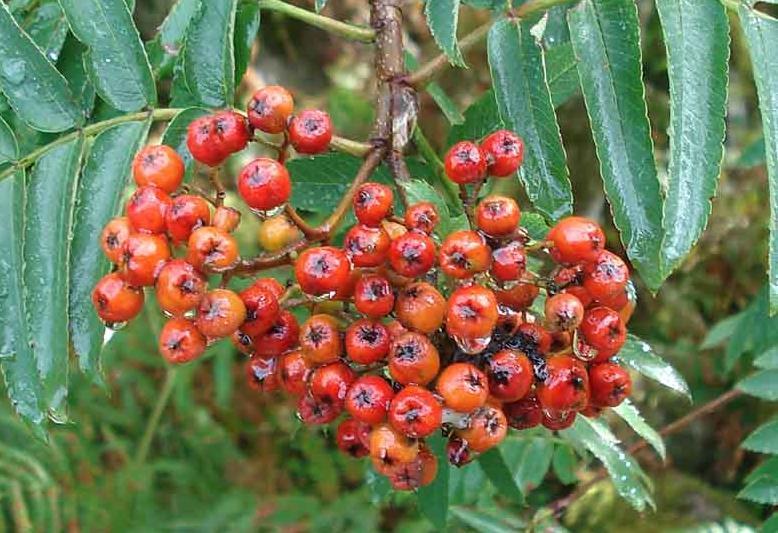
343	29
431	156
156	415
309	231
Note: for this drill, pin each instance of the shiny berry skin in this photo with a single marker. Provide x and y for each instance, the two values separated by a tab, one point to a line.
179	287
220	313
366	341
353	438
523	414
412	254
212	249
504	153
226	218
567	386
606	277
509	263
518	297
202	142
312	411
320	339
413	359
463	387
331	382
264	184
293	372
422	216
465	162
281	337
420	307
558	421
610	384
487	429
368	399
415	412
277	232
372	203
231	130
180	341
113	239
366	246
310	132
418	473
536	336
115	300
564	312
604	331
458	452
497	215
186	213
576	240
272	285
262	374
147	209
472	312
464	254
262	309
373	296
510	375
322	270
242	342
158	165
270	108
389	448
144	257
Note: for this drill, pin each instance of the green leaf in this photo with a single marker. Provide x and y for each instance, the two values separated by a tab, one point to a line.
35	90
46	25
447	106
481	119
484	522
761	384
531	459
768	359
561	73
765	468
223	378
494	466
762	36
752	155
770	525
433	499
175	136
115	60
606	42
535	225
764	439
762	490
442	19
320	5
98	198
630	414
524	102
638	355
696	35
721	331
166	45
9	149
71	65
421	191
564	463
209	57
51	189
628	478
246	28
756	331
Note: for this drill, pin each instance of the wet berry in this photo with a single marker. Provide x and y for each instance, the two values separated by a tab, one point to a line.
463	387
420	307
264	184
147	209
465	162
412	254
372	203
310	132
366	341
368	399
504	153
331	382
472	312
510	375
422	216
281	337
567	386
523	414
373	296
415	412
212	249
220	313
576	240
413	359
144	256
353	438
320	339
604	331
509	263
367	246
180	341
270	108
262	373
497	215
610	384
262	309
293	372
186	213
179	287
115	300
158	165
322	271
486	430
464	254
113	239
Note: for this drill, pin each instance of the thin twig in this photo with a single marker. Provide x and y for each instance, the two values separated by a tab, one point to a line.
309	231
349	31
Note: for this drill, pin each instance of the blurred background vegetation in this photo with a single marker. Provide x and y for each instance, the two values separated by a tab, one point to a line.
226	458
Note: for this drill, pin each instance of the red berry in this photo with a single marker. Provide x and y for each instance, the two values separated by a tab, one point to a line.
509	263
576	240
242	342
231	130
415	412
465	162
281	337
567	386
463	387
320	339
372	203
186	213
144	256
322	271
366	246
270	108
330	383
504	152
353	438
422	216
558	421
373	296
367	341
180	341
464	254
519	297
564	312
115	300
158	165
147	209
179	287
226	218
420	307
316	412
487	429
472	313
368	399
113	239
262	309
606	277
497	215
310	132
510	375
262	373
536	336
389	449
413	359
220	313
271	285
412	254
212	249
418	473
610	384
202	142
458	452
525	413
264	184
293	372
603	330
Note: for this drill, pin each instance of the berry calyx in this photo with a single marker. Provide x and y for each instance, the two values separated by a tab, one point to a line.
264	184
323	270
180	341
504	153
368	399
497	215
463	387
270	108
320	339
367	341
310	132
415	412
372	203
465	162
158	165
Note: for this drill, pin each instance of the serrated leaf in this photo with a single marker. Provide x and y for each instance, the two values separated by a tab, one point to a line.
164	49
46	25
606	42
762	384
762	490
209	56
496	469
530	459
630	414
433	498
175	136
696	35
765	468
756	331
442	19
628	478
9	149
761	33
51	189
99	194
535	225
764	439
639	356
561	73
115	58
71	65
247	20
524	103
768	359
563	463
484	522
481	119
35	90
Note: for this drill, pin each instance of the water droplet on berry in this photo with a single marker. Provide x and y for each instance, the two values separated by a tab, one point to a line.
324	297
116	326
265	214
472	345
